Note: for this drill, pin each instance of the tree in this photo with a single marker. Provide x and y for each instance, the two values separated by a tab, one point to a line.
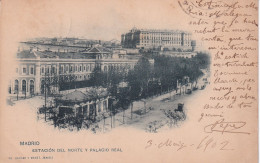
97	78
202	59
94	94
139	78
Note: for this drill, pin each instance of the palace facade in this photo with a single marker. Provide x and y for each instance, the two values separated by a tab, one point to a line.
149	38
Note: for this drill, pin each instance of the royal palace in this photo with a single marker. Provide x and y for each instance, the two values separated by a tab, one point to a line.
149	39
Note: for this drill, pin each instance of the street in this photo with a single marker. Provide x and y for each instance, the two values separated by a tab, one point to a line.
151	119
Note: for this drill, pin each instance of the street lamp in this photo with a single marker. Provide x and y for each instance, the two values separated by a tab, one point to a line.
160	84
112	112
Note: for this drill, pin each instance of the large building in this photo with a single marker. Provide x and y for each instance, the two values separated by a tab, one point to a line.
149	39
33	66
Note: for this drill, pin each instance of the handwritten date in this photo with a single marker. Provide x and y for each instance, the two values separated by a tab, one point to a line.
205	144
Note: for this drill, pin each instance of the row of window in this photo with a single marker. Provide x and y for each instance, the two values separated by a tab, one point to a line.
116	67
78	77
81	77
48	70
80	68
160	42
63	69
25	71
160	38
66	69
163	34
24	86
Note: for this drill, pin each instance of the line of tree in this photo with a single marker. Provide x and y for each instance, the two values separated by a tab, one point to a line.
143	81
146	80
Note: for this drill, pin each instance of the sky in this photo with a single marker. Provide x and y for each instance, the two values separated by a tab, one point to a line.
100	19
22	20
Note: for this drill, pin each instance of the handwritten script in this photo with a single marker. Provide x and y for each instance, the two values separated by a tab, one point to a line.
228	29
207	143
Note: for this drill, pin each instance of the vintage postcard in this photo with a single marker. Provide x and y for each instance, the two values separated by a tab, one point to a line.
126	81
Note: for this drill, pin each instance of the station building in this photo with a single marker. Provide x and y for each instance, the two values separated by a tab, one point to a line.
33	66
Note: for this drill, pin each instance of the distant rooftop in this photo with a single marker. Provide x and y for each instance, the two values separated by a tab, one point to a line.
88	53
159	30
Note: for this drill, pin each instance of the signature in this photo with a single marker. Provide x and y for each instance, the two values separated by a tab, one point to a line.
225	127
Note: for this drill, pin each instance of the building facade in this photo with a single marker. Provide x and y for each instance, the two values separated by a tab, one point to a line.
34	67
149	38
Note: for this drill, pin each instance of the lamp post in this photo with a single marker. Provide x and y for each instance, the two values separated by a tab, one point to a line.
160	84
17	92
25	91
45	94
111	116
112	112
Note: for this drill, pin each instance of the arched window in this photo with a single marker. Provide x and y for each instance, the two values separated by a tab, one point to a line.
47	71
24	86
31	87
105	68
61	69
53	70
31	71
16	86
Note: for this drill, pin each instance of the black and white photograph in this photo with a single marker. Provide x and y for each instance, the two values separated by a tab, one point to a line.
125	81
142	79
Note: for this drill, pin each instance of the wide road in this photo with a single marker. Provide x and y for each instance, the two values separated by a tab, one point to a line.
156	115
